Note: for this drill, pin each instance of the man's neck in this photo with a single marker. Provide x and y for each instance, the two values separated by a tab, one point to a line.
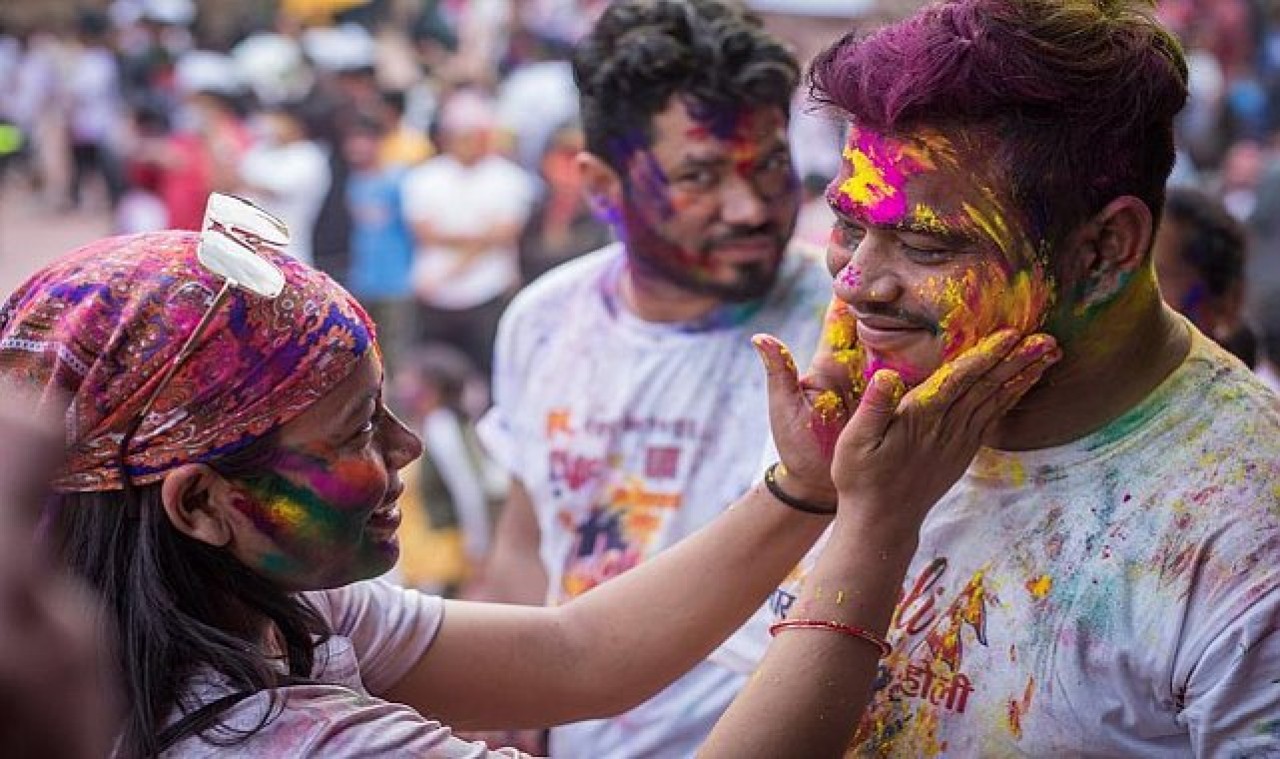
1118	357
656	300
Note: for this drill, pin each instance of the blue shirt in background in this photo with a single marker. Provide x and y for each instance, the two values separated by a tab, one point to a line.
381	242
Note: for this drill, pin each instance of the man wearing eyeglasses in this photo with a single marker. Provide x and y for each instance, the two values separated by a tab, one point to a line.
630	408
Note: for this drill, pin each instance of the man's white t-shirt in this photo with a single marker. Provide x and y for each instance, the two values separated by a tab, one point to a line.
630	435
380	632
455	199
1115	596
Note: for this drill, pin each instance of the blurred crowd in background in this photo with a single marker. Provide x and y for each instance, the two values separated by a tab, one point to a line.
422	152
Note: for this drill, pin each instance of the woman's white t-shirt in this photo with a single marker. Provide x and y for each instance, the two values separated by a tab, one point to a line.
380	632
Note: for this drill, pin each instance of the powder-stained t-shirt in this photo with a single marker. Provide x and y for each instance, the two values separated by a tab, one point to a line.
380	632
1115	596
628	436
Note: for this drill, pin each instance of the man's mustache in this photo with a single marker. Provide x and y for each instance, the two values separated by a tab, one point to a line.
768	231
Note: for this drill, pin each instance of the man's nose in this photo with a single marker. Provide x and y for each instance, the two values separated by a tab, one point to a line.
869	276
742	205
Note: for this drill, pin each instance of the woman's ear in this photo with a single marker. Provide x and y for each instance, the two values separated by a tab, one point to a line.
1110	248
197	500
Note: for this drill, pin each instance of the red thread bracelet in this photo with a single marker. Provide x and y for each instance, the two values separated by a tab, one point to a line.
852	631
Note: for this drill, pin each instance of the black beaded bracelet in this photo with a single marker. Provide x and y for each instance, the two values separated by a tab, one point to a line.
771	482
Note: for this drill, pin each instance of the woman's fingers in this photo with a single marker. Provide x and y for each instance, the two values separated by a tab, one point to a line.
782	380
876	410
987	413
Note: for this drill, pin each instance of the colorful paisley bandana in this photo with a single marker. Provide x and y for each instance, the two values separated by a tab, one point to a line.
96	331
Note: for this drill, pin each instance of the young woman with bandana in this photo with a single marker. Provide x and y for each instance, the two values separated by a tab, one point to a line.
230	502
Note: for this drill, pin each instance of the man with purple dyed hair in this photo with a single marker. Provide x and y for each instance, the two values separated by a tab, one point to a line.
1102	581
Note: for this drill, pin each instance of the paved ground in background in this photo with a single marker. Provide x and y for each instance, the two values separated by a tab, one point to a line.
31	235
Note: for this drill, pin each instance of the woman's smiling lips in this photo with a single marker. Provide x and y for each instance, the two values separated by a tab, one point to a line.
386	518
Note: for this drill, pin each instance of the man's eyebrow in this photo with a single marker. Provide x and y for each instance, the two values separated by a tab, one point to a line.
916	226
910	225
695	161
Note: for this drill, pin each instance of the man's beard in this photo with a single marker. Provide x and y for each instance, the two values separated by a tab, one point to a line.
655	256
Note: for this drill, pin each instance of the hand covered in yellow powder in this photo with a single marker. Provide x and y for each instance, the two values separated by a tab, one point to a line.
900	453
807	413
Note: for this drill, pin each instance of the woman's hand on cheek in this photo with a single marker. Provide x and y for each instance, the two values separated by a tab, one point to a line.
902	451
807	414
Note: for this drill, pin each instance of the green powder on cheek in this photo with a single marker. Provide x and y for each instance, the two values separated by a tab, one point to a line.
278	564
294	511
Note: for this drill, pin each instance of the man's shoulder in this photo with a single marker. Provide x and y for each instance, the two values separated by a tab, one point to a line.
1232	397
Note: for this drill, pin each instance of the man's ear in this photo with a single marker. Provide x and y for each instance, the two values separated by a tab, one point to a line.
197	500
1110	248
602	185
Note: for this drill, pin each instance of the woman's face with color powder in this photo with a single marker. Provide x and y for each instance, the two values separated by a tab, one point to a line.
710	204
326	514
927	252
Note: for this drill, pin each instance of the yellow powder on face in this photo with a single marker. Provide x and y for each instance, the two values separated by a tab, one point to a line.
286	512
929	220
840	334
1040	586
933	148
974	307
993	226
867	184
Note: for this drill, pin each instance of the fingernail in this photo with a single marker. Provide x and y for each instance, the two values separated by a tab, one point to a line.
891	382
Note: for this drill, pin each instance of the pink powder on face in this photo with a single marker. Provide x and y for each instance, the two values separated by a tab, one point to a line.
343	484
878	171
850	277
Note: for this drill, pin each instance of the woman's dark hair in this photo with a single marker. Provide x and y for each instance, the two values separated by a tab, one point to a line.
642	52
178	607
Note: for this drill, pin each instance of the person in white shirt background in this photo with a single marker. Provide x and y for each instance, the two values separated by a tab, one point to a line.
466	207
287	172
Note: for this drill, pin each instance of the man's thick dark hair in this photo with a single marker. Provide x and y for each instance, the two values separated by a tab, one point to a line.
1078	96
642	52
178	607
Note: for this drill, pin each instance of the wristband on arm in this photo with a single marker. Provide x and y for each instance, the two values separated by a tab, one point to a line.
771	482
